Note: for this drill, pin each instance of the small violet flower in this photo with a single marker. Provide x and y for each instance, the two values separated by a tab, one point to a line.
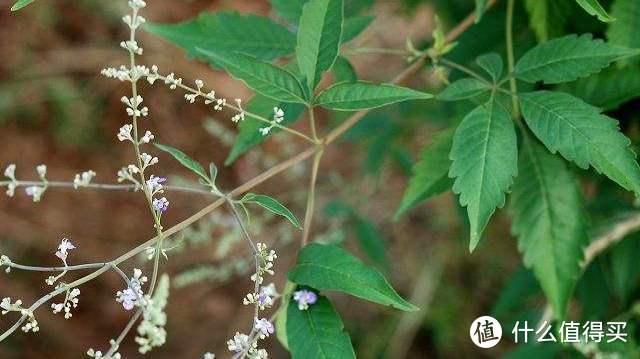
305	298
155	183
133	294
161	204
63	248
264	327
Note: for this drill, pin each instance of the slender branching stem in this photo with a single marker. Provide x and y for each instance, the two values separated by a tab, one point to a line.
312	124
238	109
102	186
311	195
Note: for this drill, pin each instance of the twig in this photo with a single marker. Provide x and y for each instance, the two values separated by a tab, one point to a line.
102	186
308	217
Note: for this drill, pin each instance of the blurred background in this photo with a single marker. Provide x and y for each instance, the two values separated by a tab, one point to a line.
56	109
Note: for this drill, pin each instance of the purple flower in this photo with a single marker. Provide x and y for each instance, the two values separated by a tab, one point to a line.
264	327
305	298
160	204
155	183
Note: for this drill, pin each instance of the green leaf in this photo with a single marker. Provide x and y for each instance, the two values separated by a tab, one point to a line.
481	6
624	267
227	33
608	89
463	89
319	37
491	64
547	18
568	58
485	156
272	206
289	9
550	223
581	134
318	332
354	26
248	130
430	173
371	241
344	71
185	160
365	95
594	8
625	30
266	79
20	4
328	267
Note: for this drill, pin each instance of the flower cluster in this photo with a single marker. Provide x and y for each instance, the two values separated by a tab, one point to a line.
262	298
63	251
128	174
133	295
97	354
266	258
151	331
83	179
305	298
10	173
242	343
278	117
7	306
5	261
265	298
35	192
70	301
